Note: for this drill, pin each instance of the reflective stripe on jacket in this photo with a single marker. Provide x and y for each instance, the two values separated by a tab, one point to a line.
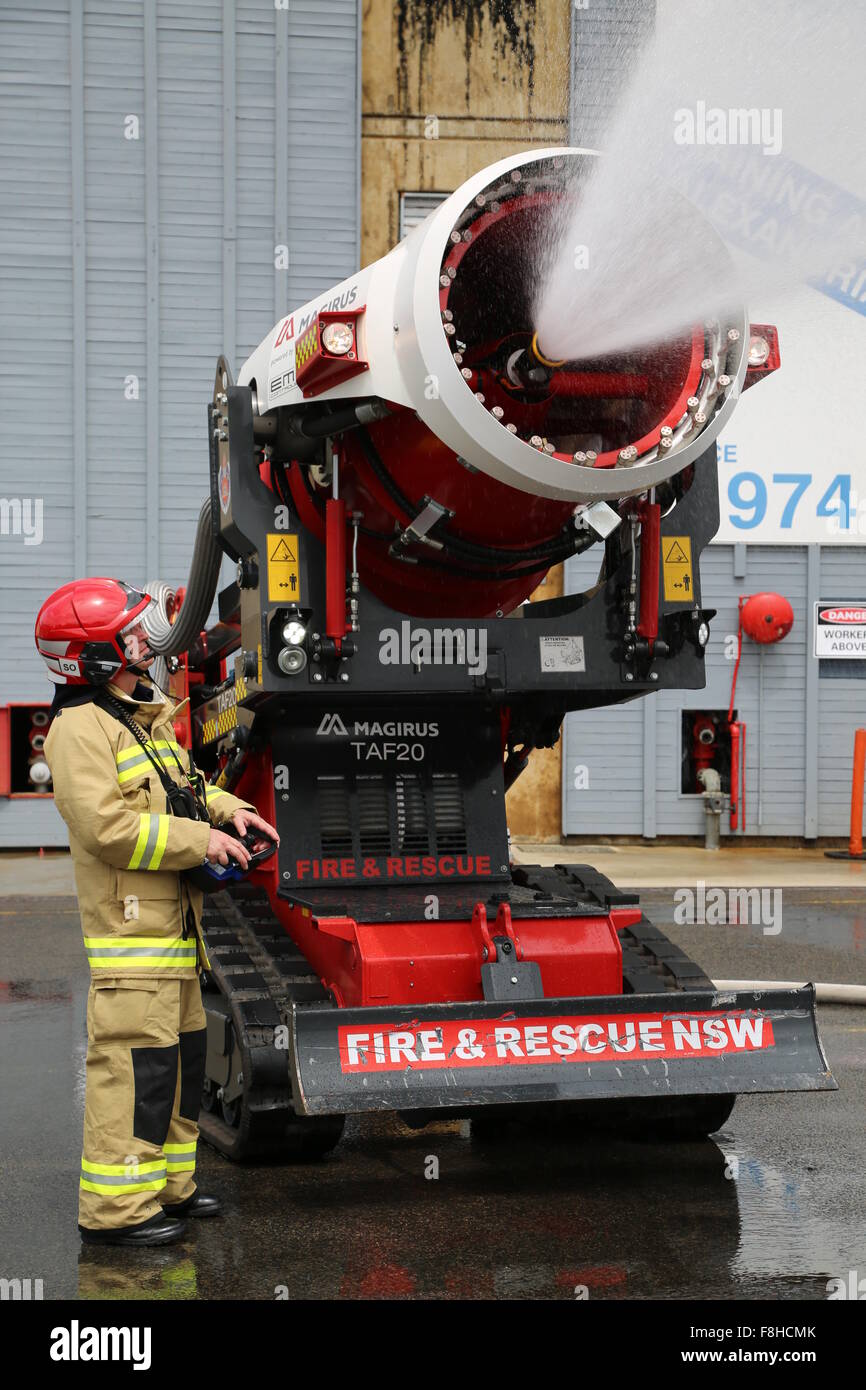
127	850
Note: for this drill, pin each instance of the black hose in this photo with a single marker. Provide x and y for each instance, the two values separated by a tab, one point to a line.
278	477
467	550
522	572
573	546
170	639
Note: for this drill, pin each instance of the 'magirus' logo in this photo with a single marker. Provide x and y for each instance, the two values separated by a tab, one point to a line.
332	724
434	646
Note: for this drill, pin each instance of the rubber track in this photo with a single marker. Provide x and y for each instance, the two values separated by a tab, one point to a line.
651	964
259	973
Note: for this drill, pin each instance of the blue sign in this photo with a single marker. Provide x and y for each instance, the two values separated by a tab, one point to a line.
779	210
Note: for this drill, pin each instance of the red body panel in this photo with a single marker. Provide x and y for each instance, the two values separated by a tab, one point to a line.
335	523
437	961
427	962
650	515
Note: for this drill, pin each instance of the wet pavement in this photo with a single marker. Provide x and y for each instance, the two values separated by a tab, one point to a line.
771	1208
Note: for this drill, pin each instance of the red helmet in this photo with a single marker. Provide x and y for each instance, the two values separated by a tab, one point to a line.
79	630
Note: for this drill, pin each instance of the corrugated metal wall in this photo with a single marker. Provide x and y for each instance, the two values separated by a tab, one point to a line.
606	41
152	157
800	724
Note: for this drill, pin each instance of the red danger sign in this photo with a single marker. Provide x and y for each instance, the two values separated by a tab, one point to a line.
842	615
550	1041
840	630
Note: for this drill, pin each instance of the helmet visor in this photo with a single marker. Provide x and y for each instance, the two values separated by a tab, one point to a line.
134	642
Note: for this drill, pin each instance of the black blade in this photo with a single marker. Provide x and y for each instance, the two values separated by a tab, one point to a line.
463	1055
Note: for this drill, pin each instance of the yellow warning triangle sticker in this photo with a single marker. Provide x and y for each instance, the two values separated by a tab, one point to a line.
676	555
283	552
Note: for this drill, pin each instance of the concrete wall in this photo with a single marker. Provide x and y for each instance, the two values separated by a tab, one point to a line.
449	87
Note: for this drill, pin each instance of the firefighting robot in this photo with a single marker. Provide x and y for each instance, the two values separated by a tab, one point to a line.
397	467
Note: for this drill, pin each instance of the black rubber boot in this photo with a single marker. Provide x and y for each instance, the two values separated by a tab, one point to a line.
196	1205
160	1229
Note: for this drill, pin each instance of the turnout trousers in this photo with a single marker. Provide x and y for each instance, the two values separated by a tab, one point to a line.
146	1044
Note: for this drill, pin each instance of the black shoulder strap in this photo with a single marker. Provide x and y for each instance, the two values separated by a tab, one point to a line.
182	801
105	700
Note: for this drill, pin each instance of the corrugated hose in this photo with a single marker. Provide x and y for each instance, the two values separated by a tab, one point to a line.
170	639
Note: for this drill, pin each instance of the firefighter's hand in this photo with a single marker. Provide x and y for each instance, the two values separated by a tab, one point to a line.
220	846
249	820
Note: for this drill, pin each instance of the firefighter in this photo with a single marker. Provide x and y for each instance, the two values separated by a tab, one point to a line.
116	767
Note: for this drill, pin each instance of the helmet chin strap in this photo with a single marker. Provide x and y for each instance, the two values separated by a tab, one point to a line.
141	672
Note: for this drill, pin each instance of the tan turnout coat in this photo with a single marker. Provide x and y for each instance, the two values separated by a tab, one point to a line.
127	850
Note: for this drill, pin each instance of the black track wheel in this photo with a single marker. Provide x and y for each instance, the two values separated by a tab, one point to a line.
683	1118
672	1119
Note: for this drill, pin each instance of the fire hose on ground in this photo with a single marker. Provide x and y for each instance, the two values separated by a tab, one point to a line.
824	993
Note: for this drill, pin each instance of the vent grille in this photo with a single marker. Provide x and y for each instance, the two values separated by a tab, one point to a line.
449	812
412	829
374	832
357	814
335	823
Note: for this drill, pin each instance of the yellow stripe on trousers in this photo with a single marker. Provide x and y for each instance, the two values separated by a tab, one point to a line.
180	1158
109	952
119	1179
